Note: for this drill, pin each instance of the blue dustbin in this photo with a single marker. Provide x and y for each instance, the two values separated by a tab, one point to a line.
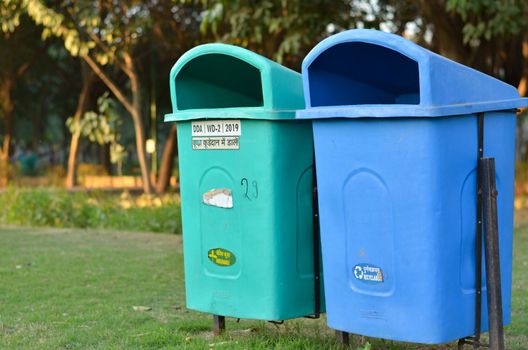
396	145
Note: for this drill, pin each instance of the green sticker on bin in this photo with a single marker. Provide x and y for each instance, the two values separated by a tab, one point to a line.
222	257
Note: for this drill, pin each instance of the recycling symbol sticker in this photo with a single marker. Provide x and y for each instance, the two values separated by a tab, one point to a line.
358	272
368	273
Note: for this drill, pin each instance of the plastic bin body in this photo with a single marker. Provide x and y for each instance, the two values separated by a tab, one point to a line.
250	255
396	146
269	228
399	194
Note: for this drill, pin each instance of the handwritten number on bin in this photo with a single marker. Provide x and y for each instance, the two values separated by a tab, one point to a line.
245	183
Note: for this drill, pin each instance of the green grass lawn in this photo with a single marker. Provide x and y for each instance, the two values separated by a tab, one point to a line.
75	289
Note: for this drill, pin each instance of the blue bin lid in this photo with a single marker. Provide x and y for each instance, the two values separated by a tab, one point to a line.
226	81
369	73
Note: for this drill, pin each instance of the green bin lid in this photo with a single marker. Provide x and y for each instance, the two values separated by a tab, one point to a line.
223	81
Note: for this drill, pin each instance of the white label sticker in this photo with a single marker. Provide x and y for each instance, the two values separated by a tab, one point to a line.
220	197
368	273
217	128
212	143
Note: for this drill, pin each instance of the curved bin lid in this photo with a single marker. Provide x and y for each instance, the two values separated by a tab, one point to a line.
369	73
226	81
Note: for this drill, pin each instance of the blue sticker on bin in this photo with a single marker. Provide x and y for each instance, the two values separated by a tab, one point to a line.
368	273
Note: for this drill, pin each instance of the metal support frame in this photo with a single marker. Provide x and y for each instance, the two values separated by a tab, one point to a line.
343	338
491	248
218	324
478	248
316	247
487	212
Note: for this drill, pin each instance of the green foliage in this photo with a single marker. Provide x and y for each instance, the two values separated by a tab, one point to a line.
490	18
59	208
56	24
487	35
278	29
101	127
115	33
19	41
105	29
10	11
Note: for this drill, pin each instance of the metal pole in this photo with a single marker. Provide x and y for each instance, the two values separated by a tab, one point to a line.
218	324
343	338
491	248
316	246
478	240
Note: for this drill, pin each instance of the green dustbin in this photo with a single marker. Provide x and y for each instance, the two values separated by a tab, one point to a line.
246	170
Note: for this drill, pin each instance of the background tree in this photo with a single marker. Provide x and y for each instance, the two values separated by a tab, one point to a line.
490	36
281	30
104	32
486	35
83	102
128	48
20	47
101	127
175	30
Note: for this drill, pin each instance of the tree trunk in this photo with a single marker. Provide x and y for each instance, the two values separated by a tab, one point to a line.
141	152
6	108
7	104
167	161
82	105
133	108
139	128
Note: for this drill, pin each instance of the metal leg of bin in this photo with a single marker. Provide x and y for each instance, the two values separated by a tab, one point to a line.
218	324
316	245
478	248
475	340
487	214
343	338
491	249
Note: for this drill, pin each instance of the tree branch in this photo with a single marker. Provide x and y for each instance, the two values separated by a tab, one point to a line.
97	41
109	83
107	50
23	69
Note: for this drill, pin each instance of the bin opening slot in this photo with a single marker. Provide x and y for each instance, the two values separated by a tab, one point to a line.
218	81
357	73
